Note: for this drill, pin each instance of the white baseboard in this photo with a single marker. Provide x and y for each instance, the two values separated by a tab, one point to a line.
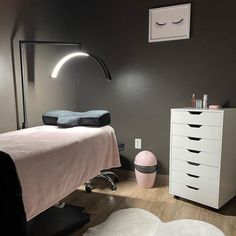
160	178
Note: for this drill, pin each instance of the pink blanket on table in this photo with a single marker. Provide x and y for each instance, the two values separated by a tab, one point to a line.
52	162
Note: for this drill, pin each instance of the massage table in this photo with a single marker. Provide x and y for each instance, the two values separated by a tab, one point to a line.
52	162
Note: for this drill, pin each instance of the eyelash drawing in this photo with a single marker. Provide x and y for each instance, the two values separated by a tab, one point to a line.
173	22
177	22
160	24
170	22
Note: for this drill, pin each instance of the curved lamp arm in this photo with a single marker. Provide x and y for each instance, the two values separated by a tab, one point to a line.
66	58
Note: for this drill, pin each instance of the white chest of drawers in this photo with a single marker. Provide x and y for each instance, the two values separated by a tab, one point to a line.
203	155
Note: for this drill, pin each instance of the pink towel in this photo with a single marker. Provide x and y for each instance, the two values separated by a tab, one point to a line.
53	162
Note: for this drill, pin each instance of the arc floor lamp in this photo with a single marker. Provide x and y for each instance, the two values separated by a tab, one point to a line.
57	68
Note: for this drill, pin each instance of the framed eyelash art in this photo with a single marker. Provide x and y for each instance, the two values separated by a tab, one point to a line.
169	23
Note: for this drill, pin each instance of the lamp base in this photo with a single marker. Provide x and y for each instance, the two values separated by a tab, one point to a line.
58	221
25	125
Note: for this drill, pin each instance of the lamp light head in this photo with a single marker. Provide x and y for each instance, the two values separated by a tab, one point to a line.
64	60
79	54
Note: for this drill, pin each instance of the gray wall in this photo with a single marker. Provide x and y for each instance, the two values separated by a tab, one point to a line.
148	78
7	102
151	78
35	20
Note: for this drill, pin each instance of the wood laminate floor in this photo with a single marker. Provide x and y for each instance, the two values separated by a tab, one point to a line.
102	202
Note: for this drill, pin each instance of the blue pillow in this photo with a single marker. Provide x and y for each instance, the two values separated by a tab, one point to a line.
66	119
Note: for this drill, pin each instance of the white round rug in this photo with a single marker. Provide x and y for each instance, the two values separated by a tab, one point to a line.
138	222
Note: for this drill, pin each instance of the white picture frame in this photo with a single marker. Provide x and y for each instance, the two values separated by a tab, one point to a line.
169	23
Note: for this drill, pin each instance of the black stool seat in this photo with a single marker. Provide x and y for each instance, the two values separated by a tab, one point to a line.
106	174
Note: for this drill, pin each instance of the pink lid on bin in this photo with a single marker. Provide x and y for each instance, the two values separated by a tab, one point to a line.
145	158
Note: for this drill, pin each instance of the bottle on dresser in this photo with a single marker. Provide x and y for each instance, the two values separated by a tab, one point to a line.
205	98
193	102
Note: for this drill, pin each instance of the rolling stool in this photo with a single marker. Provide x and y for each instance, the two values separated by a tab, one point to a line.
105	174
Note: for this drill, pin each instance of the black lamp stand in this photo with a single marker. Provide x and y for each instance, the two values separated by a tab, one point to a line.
22	43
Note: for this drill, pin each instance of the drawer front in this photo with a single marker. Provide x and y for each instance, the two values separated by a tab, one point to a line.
195	168
199	131
195	181
201	196
197	117
198	144
196	156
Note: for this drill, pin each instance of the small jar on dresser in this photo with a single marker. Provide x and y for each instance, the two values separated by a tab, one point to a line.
203	155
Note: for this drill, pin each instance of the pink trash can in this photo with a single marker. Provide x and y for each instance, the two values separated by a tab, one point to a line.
145	165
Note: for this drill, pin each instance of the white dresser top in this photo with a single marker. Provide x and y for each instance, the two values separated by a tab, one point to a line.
201	109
